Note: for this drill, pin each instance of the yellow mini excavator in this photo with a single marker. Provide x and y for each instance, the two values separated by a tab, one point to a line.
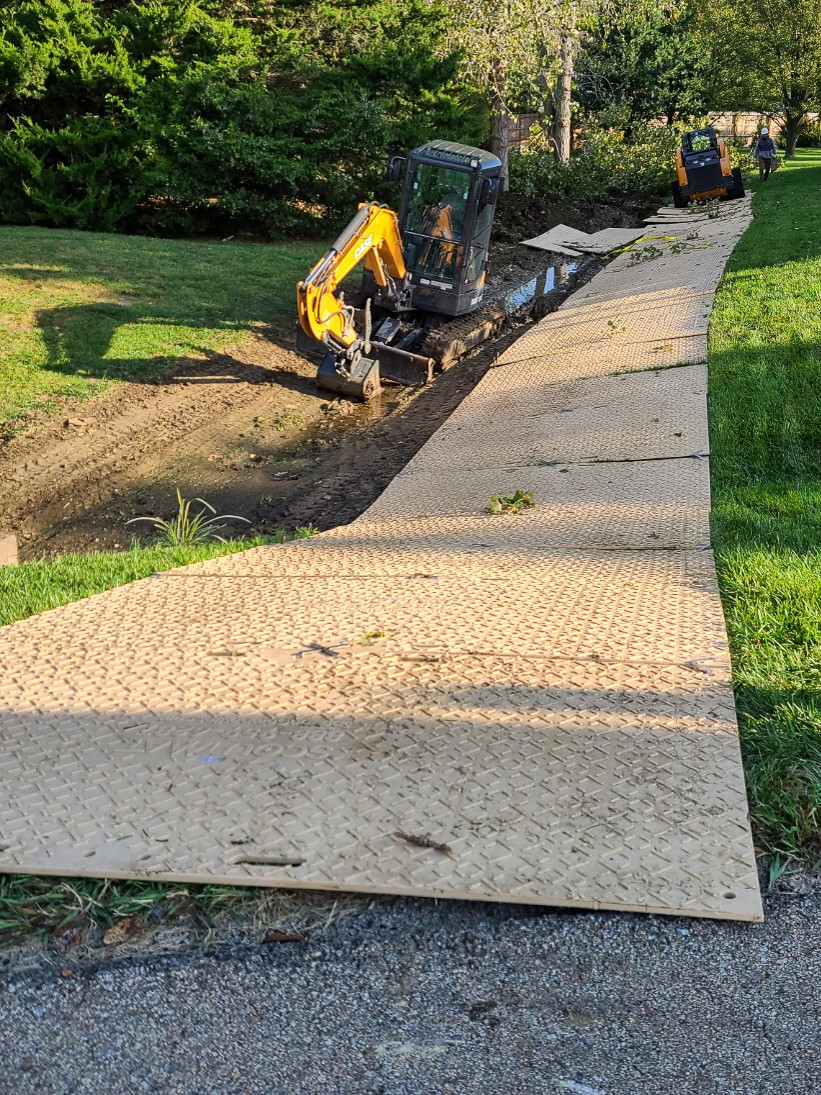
703	169
422	266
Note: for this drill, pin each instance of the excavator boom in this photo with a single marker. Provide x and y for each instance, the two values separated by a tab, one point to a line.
372	235
352	361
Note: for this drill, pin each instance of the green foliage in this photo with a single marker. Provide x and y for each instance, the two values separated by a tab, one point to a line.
765	56
607	161
199	115
643	66
517	502
87	174
810	135
765	457
188	528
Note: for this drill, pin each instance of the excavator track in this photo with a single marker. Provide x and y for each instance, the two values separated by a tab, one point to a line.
451	341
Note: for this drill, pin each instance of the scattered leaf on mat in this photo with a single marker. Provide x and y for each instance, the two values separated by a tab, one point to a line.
424	841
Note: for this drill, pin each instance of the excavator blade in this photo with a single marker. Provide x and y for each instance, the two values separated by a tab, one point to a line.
402	367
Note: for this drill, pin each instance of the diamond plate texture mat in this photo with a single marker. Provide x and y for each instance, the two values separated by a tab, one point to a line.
544	698
599	243
610	325
610	605
422	546
484	755
618	504
633	416
552	366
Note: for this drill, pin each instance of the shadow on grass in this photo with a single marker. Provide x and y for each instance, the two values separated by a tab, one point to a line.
781	747
130	307
82	340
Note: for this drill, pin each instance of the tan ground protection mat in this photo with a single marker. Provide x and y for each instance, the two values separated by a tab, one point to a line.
431	701
571	241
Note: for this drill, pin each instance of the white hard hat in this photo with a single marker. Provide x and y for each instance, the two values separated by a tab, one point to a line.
765	130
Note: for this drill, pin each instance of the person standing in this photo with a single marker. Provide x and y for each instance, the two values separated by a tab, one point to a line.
764	152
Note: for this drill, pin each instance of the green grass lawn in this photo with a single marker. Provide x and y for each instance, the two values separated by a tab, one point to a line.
34	587
81	310
765	422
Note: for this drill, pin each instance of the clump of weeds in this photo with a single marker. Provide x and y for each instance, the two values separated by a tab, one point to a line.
187	528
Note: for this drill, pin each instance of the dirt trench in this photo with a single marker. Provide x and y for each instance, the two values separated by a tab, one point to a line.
245	429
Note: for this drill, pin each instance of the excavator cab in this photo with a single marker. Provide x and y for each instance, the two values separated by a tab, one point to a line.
449	194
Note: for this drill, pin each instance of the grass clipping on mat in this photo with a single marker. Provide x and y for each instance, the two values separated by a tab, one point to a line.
517	502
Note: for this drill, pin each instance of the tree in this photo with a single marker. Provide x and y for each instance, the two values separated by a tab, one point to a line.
569	39
643	66
509	49
765	56
182	116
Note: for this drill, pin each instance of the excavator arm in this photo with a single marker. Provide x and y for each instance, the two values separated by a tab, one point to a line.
372	235
352	361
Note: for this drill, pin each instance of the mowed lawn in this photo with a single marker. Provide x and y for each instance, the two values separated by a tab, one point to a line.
82	310
765	423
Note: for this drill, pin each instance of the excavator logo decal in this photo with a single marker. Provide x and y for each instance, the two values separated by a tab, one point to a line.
364	246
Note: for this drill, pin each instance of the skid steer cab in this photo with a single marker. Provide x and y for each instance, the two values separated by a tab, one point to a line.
422	265
703	169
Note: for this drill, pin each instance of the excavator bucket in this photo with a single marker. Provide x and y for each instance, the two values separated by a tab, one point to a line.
362	380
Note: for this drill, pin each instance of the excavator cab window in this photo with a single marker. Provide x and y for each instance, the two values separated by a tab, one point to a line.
439	202
699	140
436	219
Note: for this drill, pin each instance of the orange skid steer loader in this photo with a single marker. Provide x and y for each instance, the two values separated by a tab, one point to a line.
703	169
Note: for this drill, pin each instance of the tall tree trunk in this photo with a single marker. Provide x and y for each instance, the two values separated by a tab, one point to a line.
500	135
792	126
562	100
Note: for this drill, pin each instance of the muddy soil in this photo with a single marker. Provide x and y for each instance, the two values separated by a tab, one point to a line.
246	429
